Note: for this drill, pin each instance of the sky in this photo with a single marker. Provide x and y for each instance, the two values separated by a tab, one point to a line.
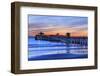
51	25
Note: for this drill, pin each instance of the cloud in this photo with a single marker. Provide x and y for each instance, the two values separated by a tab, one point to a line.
54	24
57	20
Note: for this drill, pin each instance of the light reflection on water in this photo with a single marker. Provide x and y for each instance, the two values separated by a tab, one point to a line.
39	48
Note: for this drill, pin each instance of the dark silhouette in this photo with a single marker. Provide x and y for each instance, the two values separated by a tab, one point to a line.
67	34
57	34
41	33
67	39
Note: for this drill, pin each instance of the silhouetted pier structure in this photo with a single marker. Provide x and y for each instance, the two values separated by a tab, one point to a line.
64	39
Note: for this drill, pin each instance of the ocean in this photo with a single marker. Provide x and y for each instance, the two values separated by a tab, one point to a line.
46	50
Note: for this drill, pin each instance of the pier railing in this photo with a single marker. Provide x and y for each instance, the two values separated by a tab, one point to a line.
63	39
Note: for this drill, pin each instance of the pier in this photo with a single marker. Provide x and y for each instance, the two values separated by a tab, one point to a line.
67	39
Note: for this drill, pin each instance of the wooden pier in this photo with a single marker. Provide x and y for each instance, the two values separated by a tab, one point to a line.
63	39
67	39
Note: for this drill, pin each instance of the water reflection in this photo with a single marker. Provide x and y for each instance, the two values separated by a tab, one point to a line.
43	50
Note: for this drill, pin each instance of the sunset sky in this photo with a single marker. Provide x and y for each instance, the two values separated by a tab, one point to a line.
50	25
